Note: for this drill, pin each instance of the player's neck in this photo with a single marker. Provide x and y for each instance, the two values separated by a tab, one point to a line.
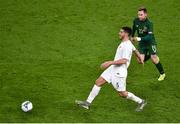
125	39
144	19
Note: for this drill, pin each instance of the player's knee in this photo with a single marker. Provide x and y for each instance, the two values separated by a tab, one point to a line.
154	59
140	61
123	94
99	82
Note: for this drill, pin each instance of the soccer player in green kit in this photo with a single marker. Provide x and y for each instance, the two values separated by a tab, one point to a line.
146	40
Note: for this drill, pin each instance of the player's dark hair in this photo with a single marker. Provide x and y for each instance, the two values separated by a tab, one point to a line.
127	30
143	9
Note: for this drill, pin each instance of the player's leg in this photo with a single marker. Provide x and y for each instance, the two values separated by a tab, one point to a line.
105	77
156	61
128	95
96	88
92	95
119	83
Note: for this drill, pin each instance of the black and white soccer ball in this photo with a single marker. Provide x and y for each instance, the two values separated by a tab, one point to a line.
26	106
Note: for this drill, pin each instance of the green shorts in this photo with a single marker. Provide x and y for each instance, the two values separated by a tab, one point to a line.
147	49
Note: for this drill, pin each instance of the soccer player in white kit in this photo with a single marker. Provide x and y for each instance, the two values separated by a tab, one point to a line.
116	72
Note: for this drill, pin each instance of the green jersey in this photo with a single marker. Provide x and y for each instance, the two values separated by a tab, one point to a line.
144	31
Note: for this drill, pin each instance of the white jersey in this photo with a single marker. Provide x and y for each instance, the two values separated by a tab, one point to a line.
116	74
124	50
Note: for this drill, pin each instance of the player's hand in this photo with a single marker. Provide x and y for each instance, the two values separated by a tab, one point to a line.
106	64
140	61
135	39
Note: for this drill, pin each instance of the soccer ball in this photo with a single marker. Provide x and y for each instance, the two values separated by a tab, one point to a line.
26	106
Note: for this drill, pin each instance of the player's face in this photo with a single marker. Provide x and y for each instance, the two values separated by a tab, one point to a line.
122	34
142	15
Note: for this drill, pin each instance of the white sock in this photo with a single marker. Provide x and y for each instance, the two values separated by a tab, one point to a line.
134	98
94	92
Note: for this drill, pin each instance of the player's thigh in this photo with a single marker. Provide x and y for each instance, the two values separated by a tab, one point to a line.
119	83
100	81
107	74
105	77
142	49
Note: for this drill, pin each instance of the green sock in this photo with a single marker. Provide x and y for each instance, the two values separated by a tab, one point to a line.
160	68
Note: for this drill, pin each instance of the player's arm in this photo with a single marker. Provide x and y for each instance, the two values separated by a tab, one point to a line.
138	56
133	29
117	62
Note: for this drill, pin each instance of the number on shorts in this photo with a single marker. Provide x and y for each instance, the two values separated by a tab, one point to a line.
154	48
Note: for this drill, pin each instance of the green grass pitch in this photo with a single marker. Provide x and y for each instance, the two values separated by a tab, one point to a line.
50	52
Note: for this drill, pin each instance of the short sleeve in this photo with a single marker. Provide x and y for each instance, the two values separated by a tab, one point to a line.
133	28
133	48
150	29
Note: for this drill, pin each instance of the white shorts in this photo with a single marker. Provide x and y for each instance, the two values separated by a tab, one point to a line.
119	83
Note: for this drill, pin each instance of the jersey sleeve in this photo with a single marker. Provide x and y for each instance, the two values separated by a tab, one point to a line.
150	28
133	28
133	48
